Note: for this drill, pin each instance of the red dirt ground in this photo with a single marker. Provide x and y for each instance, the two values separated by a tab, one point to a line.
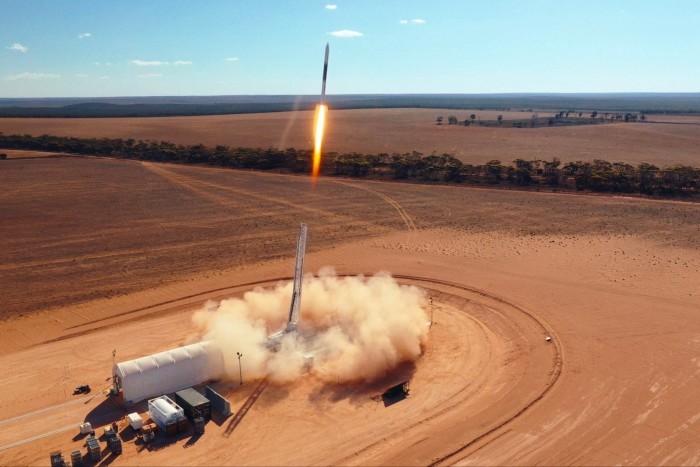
101	254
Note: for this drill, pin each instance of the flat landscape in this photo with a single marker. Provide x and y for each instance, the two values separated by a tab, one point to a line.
101	254
662	140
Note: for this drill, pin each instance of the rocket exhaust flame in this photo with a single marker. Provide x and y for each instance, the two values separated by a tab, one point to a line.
319	125
320	122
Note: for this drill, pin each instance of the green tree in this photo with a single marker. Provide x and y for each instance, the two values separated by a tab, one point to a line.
493	171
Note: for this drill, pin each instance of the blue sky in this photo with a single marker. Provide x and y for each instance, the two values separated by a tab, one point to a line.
72	48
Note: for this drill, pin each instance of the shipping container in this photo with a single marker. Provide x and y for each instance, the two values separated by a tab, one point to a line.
193	403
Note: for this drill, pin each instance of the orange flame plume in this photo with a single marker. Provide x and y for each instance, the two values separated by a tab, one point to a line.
319	125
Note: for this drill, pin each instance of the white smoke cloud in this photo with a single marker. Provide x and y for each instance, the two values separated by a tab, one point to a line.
354	329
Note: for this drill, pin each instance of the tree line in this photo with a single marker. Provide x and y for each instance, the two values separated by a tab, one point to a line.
597	176
560	118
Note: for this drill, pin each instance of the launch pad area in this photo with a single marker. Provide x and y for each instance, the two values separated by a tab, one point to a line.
308	405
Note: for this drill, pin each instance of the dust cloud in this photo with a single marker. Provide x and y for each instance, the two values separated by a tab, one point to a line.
351	329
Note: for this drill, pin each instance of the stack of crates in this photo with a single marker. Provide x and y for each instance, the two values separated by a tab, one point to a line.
148	432
113	441
171	428
115	445
76	458
182	424
199	426
57	459
93	449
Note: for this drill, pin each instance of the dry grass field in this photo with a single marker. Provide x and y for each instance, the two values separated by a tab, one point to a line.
663	140
101	254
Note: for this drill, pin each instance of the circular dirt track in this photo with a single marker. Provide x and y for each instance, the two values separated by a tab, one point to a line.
507	365
485	364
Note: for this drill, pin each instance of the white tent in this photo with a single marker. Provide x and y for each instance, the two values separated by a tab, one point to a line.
168	371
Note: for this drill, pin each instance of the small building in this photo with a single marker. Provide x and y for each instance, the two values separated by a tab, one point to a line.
167	372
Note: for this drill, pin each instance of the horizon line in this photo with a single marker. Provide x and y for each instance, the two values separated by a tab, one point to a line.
446	94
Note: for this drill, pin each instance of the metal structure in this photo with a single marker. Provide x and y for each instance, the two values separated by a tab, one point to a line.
274	340
298	273
218	402
240	368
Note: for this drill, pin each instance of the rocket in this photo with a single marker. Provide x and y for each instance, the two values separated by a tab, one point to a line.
325	73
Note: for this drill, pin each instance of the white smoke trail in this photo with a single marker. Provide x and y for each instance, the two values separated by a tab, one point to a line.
357	328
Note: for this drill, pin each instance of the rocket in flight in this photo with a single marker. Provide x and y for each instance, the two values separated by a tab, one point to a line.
325	73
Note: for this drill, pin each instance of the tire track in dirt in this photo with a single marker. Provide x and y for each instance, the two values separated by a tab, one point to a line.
129	252
557	366
181	180
410	225
195	185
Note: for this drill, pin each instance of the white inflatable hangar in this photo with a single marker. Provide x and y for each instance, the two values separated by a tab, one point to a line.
168	372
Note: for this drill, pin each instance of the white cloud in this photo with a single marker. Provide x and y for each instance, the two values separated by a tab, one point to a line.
150	75
345	33
147	63
331	7
18	47
32	76
232	59
413	21
84	35
182	62
104	77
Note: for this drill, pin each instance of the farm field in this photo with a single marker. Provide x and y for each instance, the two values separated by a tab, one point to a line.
662	140
101	254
